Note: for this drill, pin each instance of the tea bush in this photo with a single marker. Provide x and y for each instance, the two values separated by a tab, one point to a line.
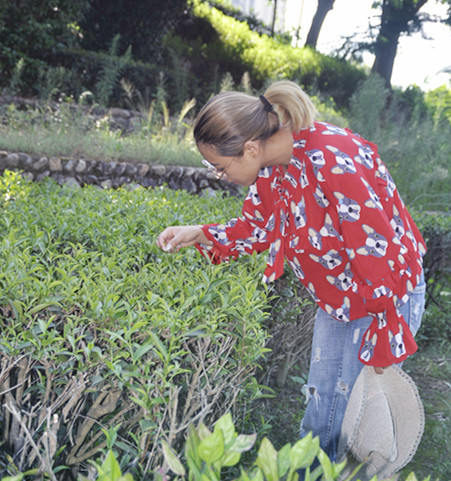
103	335
214	455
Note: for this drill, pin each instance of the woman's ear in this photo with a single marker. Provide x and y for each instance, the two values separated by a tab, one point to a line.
252	147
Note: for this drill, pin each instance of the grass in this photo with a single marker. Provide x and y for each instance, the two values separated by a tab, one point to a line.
431	370
66	132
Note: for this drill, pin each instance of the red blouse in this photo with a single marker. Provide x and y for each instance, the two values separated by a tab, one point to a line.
337	218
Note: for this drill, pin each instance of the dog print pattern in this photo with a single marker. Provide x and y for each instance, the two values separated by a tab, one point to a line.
336	217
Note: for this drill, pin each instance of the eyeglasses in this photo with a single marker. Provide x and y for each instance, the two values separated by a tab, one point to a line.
218	173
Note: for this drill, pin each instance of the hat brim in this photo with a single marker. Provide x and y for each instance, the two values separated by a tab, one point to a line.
383	423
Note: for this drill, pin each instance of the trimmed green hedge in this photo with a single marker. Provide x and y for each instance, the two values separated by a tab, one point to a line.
103	333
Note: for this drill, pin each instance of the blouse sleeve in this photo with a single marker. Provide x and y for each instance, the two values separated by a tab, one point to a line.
244	235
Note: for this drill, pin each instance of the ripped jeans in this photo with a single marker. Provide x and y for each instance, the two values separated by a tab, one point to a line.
334	367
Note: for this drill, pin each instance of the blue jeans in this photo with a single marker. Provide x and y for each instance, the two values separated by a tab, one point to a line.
334	367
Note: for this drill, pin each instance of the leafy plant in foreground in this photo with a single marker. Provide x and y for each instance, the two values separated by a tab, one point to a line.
209	455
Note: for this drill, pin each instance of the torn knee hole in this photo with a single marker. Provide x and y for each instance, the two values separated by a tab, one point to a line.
311	392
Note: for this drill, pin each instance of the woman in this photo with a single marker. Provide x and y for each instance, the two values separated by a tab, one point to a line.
320	198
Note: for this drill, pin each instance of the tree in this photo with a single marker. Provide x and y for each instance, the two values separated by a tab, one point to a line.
274	16
141	24
33	31
398	16
322	10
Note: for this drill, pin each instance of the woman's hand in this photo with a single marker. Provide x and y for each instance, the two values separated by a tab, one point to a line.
172	239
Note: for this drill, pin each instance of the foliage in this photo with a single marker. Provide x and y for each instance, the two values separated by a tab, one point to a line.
209	454
103	337
203	44
436	229
111	70
69	130
438	102
415	149
254	23
430	368
33	32
235	48
141	28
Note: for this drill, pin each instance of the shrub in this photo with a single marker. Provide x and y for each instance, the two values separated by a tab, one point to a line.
416	151
436	229
215	39
439	104
103	334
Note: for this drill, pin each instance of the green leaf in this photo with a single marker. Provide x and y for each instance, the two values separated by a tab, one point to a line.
111	468
283	460
126	477
225	424
212	447
191	451
243	442
326	465
231	458
203	431
139	353
17	477
412	477
304	452
267	460
173	462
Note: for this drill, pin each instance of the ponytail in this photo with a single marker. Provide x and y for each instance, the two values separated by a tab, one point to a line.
292	104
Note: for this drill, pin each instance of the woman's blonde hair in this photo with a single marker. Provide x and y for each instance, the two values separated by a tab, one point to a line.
228	120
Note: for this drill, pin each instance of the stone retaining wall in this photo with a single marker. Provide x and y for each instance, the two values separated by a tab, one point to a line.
196	180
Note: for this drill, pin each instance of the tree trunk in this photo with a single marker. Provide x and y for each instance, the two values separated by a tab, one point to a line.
274	16
395	19
385	51
323	8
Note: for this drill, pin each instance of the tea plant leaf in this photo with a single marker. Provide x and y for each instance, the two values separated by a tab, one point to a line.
243	442
283	460
304	452
326	465
225	424
110	469
267	460
173	462
212	447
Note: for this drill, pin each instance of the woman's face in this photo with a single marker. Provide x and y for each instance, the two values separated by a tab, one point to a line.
241	170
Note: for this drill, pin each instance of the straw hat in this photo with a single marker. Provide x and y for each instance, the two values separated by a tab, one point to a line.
383	424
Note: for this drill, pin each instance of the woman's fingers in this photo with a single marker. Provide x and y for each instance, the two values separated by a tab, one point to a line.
176	237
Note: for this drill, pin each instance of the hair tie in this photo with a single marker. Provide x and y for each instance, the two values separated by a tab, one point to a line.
267	106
